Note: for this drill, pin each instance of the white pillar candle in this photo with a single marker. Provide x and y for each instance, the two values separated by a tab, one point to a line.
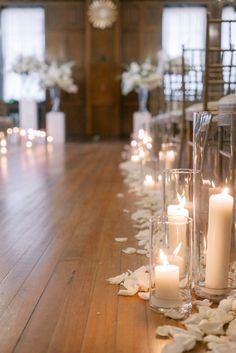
166	279
219	240
177	210
177	232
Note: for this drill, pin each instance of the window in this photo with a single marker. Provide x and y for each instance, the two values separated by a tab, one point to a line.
183	26
23	33
228	40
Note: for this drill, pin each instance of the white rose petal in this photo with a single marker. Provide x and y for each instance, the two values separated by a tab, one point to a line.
121	239
129	251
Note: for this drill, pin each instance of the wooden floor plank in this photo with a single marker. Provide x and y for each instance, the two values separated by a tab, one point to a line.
59	215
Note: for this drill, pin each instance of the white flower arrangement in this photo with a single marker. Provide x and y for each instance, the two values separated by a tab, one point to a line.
56	75
138	76
26	65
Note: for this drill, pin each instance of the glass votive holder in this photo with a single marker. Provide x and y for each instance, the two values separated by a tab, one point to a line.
170	263
214	244
178	192
149	178
168	156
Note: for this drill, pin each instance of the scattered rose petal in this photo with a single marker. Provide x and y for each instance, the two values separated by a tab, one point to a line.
211	328
128	292
141	252
144	295
168	330
182	342
204	302
120	195
195	331
173	314
118	279
121	239
231	330
129	250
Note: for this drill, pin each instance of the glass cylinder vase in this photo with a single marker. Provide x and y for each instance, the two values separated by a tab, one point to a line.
170	264
178	192
214	237
55	96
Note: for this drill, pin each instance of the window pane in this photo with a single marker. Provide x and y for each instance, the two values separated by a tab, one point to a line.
23	33
228	40
183	26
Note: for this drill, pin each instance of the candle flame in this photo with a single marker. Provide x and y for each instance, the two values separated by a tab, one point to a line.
163	258
141	154
207	182
181	200
170	154
177	249
225	191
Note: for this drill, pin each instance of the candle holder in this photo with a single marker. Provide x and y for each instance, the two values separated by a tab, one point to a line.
168	156
214	250
178	192
149	176
170	264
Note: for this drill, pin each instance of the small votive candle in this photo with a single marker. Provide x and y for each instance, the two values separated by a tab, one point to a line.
167	279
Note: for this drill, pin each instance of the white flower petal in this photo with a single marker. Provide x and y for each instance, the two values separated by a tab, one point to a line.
121	239
173	314
168	330
128	292
211	327
129	251
231	330
144	295
141	252
118	279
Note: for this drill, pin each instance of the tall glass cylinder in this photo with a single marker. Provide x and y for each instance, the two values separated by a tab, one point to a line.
214	237
170	263
178	192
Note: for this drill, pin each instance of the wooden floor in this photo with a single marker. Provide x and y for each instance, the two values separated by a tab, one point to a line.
59	215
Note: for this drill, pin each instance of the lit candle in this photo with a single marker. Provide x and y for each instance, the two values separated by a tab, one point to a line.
219	240
135	158
149	182
168	157
177	229
166	279
49	139
179	209
177	260
28	144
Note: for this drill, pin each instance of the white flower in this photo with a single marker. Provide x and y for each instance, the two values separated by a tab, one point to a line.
58	75
26	65
138	76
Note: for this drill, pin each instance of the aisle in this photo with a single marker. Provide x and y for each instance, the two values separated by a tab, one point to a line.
59	216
